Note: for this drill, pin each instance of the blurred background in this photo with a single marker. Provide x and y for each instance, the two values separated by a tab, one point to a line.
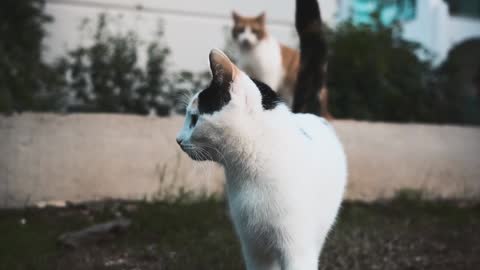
401	61
92	94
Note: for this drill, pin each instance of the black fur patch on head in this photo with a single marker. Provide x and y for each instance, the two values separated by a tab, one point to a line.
270	98
213	98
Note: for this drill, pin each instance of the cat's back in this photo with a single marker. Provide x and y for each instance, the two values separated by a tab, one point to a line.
316	129
321	142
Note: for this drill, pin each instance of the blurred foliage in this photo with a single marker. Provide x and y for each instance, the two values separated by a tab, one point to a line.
26	82
107	76
457	83
375	75
184	85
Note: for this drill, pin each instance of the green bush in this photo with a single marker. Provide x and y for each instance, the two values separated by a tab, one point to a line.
107	76
457	84
184	85
375	75
26	82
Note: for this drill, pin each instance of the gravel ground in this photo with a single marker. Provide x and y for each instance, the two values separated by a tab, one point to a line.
404	233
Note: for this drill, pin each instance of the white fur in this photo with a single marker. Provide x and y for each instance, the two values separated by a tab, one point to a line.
263	61
286	175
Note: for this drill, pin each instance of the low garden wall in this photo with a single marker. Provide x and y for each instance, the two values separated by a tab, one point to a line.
78	157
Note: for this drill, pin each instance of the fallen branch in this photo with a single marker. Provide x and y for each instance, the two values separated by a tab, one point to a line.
95	233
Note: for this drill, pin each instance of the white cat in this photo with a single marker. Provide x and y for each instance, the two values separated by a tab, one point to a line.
285	172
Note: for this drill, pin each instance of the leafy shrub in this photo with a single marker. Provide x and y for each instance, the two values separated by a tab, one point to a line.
184	85
457	84
375	75
107	76
26	82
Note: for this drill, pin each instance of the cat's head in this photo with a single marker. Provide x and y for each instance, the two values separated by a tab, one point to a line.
247	32
224	111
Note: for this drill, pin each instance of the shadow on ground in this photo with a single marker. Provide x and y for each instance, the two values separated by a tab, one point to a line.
401	234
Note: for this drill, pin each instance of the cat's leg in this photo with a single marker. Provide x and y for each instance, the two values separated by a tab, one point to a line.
259	260
300	262
300	259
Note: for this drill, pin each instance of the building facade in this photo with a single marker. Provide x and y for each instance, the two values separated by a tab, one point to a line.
438	25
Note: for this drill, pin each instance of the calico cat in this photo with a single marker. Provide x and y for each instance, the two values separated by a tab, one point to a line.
285	172
262	57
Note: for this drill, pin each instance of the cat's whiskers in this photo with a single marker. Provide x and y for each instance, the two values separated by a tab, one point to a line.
221	156
199	154
207	169
184	98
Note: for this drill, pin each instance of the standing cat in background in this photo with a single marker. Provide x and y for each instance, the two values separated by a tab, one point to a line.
262	57
285	173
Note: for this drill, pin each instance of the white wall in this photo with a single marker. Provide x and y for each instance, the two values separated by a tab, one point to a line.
191	27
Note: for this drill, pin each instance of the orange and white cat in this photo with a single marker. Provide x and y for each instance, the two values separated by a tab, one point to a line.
262	57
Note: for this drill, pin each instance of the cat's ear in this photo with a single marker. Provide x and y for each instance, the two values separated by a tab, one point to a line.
235	16
223	70
261	18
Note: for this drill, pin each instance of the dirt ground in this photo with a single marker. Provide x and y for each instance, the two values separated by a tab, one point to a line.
405	233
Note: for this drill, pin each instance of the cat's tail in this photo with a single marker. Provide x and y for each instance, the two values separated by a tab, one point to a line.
313	57
306	14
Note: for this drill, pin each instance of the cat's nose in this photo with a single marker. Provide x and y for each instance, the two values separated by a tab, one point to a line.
179	141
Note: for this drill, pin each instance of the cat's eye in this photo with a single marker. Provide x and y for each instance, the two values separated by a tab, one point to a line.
193	121
239	29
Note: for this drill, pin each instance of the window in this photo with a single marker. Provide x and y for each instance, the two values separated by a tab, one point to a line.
389	10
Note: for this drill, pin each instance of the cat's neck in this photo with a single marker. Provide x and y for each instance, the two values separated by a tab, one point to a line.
267	42
245	152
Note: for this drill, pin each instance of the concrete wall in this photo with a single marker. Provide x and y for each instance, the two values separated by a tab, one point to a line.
84	157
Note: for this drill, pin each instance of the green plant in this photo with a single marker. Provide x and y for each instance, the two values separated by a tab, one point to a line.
184	85
374	75
108	77
457	96
26	81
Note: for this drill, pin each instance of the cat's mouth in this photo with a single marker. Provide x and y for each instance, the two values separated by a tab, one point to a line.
194	155
246	45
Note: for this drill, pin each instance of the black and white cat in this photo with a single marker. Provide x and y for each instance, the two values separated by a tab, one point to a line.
286	173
